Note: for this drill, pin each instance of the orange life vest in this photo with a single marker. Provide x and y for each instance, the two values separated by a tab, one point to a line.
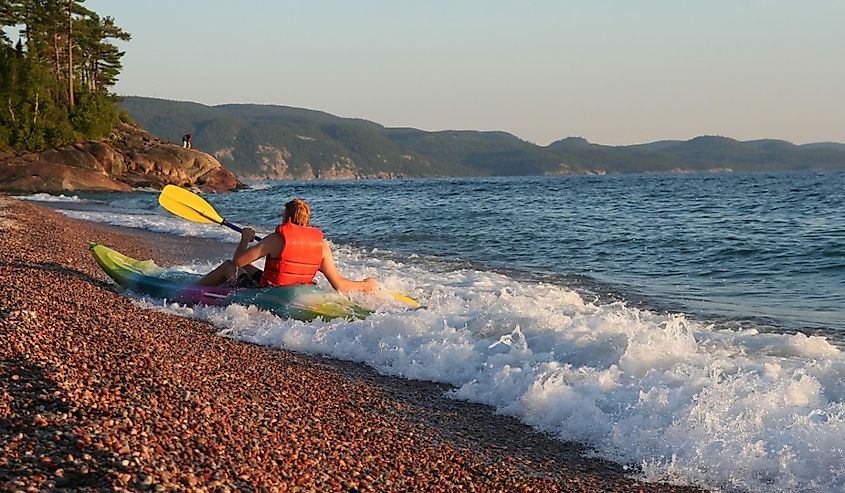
300	258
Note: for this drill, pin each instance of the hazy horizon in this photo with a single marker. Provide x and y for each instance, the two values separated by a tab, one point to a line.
613	72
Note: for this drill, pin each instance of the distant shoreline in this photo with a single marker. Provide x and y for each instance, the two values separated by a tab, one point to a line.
283	142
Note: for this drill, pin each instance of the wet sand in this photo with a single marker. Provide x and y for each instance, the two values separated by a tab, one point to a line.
97	393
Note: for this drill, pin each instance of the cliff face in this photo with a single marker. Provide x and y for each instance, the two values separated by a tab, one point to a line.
130	158
278	164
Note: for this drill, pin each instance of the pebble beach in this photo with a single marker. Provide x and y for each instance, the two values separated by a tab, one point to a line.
100	394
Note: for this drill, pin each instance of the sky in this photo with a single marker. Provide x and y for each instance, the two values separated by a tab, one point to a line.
615	72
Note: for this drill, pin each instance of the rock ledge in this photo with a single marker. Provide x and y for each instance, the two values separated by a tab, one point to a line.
129	158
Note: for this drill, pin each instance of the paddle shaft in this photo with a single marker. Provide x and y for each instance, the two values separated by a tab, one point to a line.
237	228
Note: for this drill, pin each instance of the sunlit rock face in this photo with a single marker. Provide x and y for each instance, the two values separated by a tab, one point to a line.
128	159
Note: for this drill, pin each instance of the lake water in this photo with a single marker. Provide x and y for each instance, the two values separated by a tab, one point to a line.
691	325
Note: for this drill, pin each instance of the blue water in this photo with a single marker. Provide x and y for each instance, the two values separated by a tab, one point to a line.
690	325
767	248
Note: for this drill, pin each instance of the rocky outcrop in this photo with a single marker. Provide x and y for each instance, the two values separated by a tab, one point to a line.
277	164
274	164
130	158
343	169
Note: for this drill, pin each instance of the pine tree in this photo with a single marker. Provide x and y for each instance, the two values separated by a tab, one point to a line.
102	60
8	17
54	87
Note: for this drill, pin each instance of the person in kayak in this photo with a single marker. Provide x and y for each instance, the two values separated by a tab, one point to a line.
294	253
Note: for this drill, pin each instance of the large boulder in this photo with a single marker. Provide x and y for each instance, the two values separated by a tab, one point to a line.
130	158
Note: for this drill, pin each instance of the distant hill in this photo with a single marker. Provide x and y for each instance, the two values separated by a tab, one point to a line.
264	141
825	145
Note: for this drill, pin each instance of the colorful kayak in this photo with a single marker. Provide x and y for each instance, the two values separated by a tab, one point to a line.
301	302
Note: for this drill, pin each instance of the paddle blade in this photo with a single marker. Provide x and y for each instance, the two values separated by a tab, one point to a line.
188	205
405	299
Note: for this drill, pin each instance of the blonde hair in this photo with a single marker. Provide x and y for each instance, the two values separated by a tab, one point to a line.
298	212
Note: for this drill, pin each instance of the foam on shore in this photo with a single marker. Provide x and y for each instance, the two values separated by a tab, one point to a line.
688	402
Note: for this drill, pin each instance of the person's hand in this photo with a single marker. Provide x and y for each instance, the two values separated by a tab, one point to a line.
247	235
369	285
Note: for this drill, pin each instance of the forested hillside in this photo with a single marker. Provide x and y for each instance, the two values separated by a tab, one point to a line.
263	141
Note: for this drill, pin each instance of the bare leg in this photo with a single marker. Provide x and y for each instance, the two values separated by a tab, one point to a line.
218	276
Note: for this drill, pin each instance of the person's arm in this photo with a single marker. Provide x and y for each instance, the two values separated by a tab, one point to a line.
245	254
340	283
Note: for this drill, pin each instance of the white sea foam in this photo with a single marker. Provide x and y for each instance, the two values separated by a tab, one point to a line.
687	402
157	222
46	197
259	185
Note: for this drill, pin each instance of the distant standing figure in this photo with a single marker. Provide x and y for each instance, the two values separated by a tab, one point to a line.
186	140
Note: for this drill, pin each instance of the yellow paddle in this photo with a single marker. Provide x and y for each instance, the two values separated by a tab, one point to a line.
190	206
405	299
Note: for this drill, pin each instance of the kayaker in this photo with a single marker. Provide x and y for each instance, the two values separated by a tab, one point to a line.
294	253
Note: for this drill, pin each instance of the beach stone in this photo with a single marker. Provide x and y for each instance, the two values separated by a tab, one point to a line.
101	379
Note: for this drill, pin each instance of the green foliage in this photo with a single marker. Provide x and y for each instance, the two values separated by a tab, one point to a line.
95	115
54	87
124	117
8	17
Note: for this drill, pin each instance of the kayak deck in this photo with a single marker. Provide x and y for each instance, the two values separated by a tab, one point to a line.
301	301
